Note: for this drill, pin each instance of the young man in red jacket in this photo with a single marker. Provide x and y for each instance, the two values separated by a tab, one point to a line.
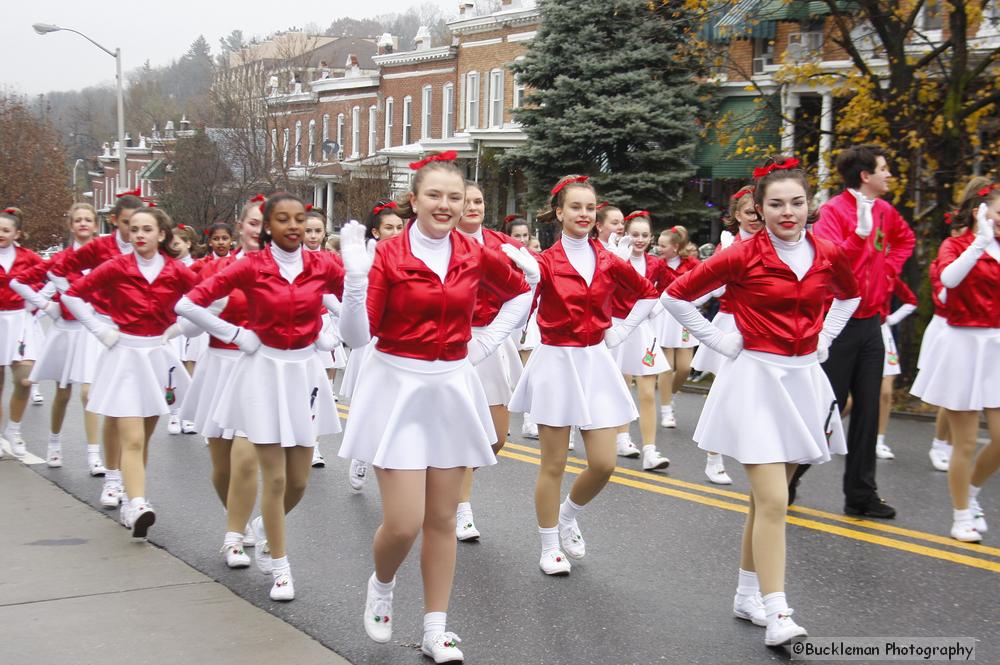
877	242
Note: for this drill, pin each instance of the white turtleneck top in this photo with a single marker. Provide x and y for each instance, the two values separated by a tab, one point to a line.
580	255
123	247
639	263
434	252
477	235
289	263
796	254
7	256
150	268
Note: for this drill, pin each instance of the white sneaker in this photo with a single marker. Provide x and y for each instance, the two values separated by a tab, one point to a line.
125	515
652	460
750	608
142	518
783	630
465	527
96	467
235	556
174	425
53	459
187	427
443	648
378	615
628	449
36	397
318	461
882	451
978	516
572	438
554	563
940	457
572	541
529	430
716	473
283	588
668	420
357	475
111	494
17	446
249	539
261	552
966	532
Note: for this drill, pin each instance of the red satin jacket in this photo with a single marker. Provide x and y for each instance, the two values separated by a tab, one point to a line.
415	315
903	292
283	315
36	275
88	257
934	274
236	307
975	302
487	302
571	313
23	260
136	306
659	276
774	311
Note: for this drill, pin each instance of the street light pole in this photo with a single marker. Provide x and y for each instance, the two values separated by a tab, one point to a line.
45	28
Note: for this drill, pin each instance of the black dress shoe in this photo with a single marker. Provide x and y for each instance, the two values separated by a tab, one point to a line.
874	508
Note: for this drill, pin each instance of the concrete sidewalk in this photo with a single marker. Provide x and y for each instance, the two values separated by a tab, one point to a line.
74	588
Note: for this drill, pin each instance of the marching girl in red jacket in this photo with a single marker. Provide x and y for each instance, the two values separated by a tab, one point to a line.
677	342
140	377
383	223
69	354
234	461
419	413
571	378
500	371
964	376
17	334
277	395
778	284
74	267
188	347
640	355
890	365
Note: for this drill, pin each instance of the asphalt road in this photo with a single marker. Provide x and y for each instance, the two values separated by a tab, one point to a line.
662	556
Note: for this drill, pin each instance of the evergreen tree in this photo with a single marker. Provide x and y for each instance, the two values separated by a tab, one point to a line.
612	94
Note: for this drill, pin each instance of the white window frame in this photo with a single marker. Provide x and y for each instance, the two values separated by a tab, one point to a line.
519	90
390	107
447	110
274	146
341	121
372	129
355	132
496	98
286	137
472	100
298	142
407	120
326	126
426	106
312	141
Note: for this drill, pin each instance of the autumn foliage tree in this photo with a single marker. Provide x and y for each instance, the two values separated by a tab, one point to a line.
33	176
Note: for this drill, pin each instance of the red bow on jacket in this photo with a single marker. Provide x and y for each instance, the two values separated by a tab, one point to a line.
446	156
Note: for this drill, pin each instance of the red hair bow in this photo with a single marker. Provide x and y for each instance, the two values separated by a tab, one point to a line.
741	193
391	205
949	218
261	208
637	213
181	227
602	204
510	218
135	192
675	229
10	211
789	163
309	207
446	156
260	198
149	203
985	191
566	181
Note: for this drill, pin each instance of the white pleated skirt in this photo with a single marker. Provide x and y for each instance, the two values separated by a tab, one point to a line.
929	341
339	357
499	372
671	334
211	375
707	359
69	355
194	347
138	377
765	408
355	361
279	396
890	364
963	374
17	336
640	354
419	414
574	385
529	337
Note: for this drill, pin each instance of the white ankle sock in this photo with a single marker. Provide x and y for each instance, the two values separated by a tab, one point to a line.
648	448
880	440
137	501
567	512
962	515
748	583
93	451
938	444
974	491
383	589
113	474
464	507
280	565
774	603
666	410
232	538
434	623
550	538
13	428
622	439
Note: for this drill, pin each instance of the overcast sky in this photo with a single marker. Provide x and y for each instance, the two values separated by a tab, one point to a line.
154	31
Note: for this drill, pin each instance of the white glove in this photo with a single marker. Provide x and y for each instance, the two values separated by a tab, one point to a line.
523	259
865	221
53	310
730	345
726	239
985	229
477	352
613	240
218	306
62	284
353	250
174	330
327	340
822	349
896	317
109	336
614	336
247	340
623	249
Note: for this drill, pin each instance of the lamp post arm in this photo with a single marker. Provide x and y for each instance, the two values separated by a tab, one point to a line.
106	50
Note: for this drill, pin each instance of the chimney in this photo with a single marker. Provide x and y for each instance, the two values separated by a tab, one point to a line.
168	130
185	123
386	44
463	6
422	41
351	67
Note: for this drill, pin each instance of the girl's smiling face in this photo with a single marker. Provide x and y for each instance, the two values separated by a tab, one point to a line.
287	224
315	233
785	209
578	212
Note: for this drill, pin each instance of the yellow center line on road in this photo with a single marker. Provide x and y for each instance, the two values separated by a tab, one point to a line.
655	484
